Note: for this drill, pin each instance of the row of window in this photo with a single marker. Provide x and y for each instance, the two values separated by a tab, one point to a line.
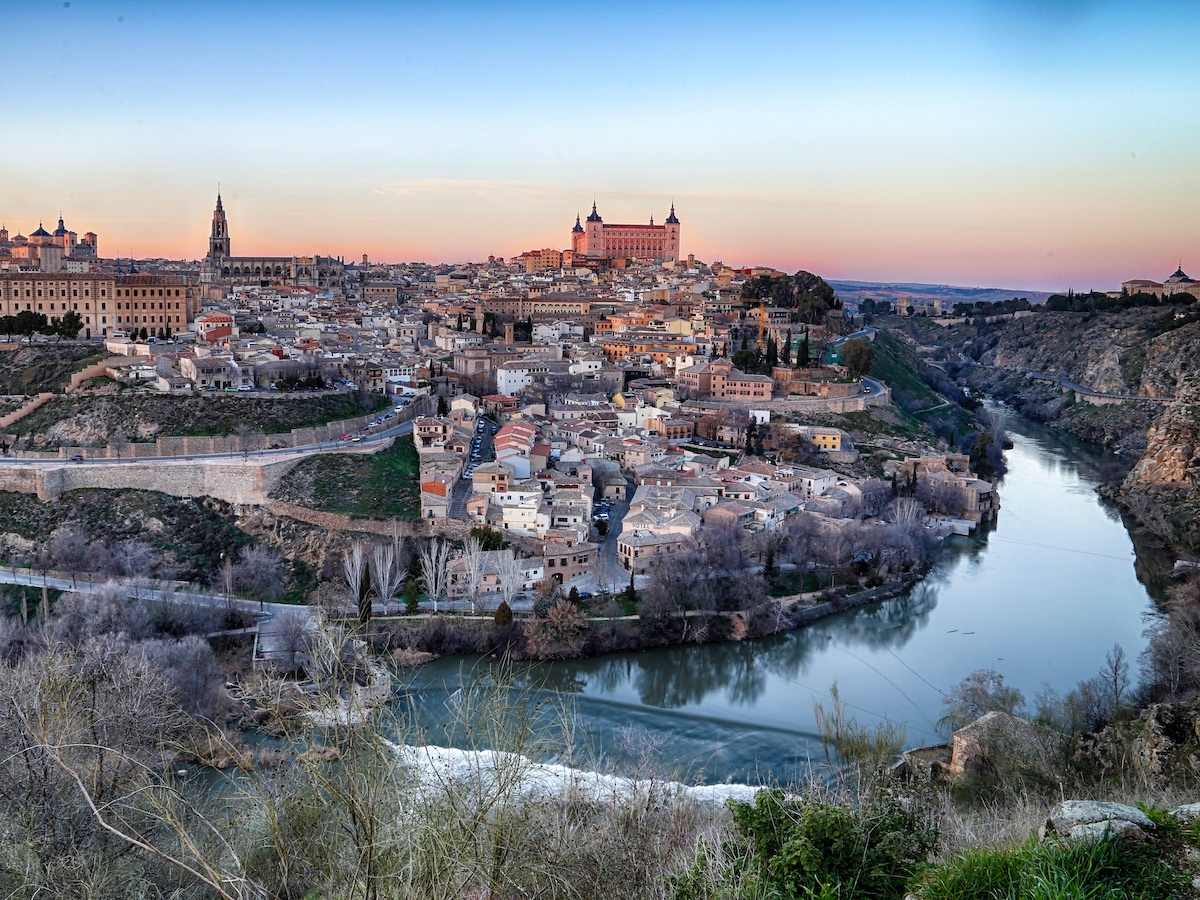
103	306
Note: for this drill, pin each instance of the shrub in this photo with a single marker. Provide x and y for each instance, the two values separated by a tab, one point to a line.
504	614
811	847
1101	869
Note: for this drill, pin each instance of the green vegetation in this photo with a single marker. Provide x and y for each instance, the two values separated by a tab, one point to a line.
812	847
857	356
1088	870
191	536
381	485
144	417
910	380
30	370
808	294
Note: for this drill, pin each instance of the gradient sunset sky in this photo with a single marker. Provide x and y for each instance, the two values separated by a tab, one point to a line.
1011	143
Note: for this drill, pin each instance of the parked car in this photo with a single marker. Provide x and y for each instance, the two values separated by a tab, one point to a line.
245	387
345	437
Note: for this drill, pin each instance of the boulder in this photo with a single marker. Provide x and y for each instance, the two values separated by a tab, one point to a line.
1094	819
1187	814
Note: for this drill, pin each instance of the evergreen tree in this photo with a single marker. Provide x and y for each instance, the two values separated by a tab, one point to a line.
443	409
786	356
772	352
802	356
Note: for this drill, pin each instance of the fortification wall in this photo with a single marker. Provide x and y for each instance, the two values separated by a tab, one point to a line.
245	484
21	412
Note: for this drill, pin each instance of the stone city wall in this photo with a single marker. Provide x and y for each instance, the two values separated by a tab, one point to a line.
241	484
857	403
18	414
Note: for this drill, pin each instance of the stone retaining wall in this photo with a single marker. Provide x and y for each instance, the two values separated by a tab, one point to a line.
21	412
240	484
857	403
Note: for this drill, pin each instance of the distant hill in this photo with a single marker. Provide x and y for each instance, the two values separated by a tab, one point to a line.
855	291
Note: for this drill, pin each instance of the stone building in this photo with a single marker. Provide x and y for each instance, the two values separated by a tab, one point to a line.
48	252
105	303
597	240
219	266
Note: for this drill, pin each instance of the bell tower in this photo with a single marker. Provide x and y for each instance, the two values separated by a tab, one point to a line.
218	239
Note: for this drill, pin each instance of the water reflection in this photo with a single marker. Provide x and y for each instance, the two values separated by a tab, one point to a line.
1040	596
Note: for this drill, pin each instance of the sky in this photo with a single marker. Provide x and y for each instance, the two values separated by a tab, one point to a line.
1036	144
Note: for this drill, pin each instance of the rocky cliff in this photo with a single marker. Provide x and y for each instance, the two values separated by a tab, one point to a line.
1147	352
1163	489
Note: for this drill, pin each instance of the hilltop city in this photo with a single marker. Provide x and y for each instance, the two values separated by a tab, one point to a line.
603	403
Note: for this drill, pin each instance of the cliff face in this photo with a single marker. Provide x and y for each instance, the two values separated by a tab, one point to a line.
1147	352
1172	454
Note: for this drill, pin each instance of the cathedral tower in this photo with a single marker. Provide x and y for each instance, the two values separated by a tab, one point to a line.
218	239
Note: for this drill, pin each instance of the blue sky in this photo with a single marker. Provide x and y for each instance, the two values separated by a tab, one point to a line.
1037	145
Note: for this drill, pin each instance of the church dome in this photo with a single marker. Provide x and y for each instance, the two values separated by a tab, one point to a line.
61	230
1179	277
41	232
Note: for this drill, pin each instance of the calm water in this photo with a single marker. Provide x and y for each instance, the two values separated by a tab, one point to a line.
1040	598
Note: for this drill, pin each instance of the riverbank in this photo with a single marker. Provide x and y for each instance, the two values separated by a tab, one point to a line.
567	633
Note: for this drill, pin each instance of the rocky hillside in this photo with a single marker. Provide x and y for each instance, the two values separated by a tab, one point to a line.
1147	351
1163	488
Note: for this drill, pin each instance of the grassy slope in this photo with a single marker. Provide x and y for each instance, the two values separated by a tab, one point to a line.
382	485
900	369
44	367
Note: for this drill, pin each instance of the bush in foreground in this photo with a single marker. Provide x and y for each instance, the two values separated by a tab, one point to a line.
813	847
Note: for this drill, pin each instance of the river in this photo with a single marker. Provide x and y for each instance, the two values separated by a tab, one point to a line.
1041	597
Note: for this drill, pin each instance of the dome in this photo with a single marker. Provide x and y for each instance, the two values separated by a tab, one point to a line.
595	216
578	229
61	230
671	220
41	232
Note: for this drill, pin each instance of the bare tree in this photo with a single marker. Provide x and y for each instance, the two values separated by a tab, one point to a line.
472	561
906	511
293	633
385	573
354	568
69	551
117	441
260	573
434	557
510	576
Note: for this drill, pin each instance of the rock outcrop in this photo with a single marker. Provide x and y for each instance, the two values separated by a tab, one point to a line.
1093	819
1172	454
